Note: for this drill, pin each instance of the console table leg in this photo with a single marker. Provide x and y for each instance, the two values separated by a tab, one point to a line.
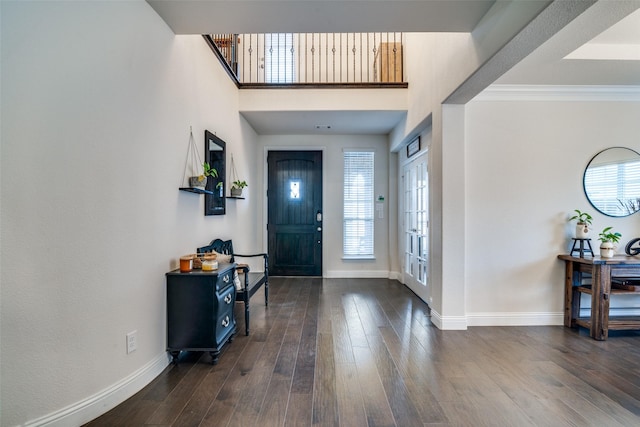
600	288
568	294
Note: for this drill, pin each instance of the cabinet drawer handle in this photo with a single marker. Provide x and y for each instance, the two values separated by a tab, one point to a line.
225	322
225	279
228	298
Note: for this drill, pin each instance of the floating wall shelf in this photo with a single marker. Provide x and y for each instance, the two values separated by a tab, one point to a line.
195	190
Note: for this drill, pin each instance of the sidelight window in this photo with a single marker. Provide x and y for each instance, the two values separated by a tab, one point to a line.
358	214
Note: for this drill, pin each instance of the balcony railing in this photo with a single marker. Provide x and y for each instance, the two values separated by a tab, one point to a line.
286	59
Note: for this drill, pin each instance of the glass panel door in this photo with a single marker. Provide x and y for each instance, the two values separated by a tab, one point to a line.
416	226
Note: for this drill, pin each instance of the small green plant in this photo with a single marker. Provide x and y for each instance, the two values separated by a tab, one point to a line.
582	217
209	171
607	235
239	184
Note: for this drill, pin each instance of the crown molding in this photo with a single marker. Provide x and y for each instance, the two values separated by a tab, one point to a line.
560	93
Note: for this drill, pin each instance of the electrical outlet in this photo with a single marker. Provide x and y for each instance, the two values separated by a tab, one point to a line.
132	341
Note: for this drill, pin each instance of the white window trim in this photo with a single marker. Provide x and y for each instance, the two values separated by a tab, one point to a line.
368	209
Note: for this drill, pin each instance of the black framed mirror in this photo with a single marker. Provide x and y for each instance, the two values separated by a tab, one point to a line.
215	155
612	181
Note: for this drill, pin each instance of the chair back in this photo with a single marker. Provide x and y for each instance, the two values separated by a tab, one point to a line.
220	246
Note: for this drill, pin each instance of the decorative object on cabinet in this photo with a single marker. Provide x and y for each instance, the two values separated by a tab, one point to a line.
610	181
583	222
608	240
582	246
215	155
236	184
633	247
252	281
200	313
187	263
196	171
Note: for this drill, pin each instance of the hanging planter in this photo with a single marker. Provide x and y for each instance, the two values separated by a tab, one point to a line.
236	185
196	172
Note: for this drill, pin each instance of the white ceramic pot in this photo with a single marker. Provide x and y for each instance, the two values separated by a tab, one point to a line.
582	230
607	250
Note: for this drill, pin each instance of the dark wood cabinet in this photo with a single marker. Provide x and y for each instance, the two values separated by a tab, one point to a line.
200	310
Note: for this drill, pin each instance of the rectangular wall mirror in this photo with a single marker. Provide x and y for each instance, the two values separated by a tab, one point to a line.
214	154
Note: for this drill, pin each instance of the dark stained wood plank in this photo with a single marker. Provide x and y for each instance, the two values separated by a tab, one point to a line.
399	398
199	404
299	410
357	335
223	406
410	367
275	405
257	383
171	407
303	376
325	405
376	405
349	396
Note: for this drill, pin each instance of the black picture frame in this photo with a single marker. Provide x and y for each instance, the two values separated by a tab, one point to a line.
215	154
413	147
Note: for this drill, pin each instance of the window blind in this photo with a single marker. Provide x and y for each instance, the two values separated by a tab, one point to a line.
358	214
612	187
278	58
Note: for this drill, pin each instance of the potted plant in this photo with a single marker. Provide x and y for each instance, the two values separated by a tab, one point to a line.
237	186
582	226
608	240
200	181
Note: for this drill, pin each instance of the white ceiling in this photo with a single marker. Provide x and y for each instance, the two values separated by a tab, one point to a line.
585	52
588	51
324	16
316	122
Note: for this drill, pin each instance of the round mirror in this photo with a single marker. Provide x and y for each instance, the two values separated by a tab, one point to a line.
612	181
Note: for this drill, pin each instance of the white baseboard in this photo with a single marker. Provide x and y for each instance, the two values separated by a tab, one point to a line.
395	275
496	319
448	323
357	274
515	319
93	406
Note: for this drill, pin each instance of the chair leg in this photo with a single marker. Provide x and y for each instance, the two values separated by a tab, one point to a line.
246	313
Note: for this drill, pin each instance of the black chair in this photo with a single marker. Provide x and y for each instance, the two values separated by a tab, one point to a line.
252	281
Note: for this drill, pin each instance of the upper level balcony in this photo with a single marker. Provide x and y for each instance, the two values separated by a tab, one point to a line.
288	60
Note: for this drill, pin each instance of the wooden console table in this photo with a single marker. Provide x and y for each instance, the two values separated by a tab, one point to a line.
601	271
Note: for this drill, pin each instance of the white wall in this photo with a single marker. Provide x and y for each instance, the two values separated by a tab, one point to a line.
524	167
97	101
439	66
332	163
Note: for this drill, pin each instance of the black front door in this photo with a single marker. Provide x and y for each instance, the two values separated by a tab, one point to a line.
294	222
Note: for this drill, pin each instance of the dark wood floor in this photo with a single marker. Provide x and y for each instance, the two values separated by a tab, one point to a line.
363	352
